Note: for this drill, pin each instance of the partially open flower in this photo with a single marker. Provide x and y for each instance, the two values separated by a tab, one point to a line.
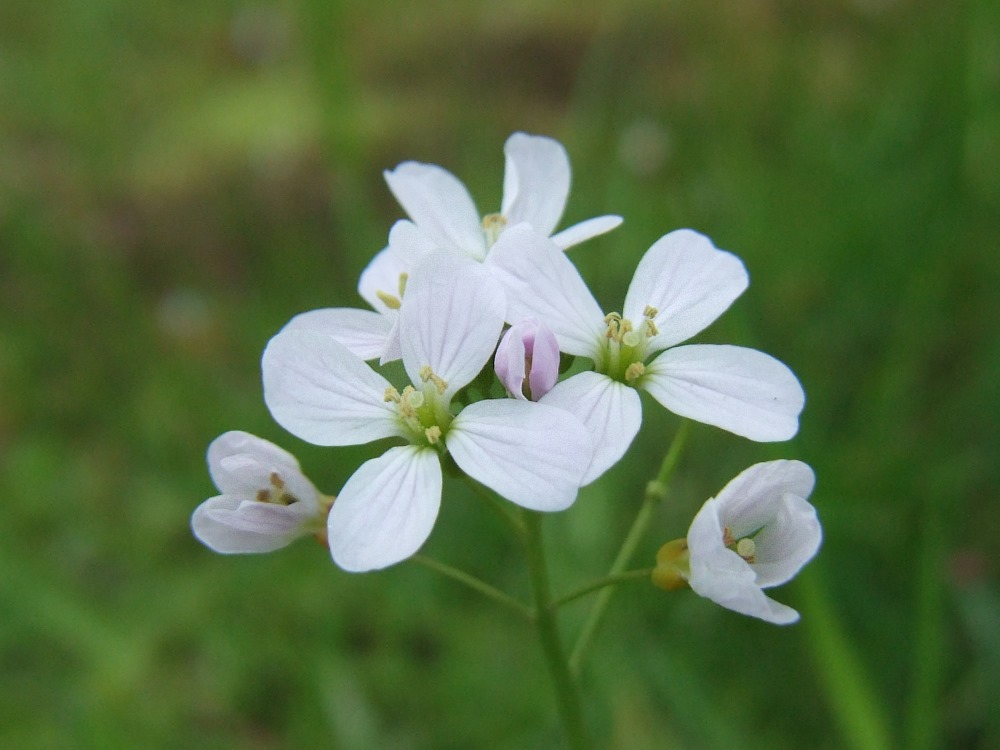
757	533
266	501
527	360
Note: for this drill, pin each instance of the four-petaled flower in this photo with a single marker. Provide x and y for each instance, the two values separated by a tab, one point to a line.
682	284
266	501
756	533
533	455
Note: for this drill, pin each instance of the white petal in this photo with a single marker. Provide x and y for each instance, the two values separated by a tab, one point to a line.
744	391
230	525
788	542
317	390
585	230
751	498
535	181
723	576
365	333
240	463
542	283
386	510
611	412
439	205
410	244
382	274
690	283
533	455
451	319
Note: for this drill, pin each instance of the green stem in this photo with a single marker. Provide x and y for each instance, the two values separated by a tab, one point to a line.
656	491
601	583
567	698
475	584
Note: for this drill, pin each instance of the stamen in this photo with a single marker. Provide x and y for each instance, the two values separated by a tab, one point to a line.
403	278
391	395
427	375
276	481
493	226
263	496
389	300
634	370
433	434
727	537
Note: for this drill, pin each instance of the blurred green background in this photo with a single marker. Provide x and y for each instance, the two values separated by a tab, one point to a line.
178	179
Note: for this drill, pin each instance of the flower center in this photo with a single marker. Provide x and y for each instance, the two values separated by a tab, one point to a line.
422	411
625	346
277	494
493	226
745	546
392	301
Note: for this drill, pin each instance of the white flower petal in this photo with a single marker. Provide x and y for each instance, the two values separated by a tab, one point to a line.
439	205
535	182
451	319
410	244
690	283
586	230
788	542
386	510
611	412
542	283
723	576
749	500
533	455
741	390
231	525
382	274
317	390
240	464
365	333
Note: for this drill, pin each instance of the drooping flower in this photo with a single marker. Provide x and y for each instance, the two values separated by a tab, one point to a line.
266	501
681	285
527	360
533	455
535	188
758	532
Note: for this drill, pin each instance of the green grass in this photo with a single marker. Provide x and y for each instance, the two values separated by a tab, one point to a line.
177	180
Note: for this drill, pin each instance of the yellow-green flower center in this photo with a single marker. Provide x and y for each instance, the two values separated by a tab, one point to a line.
625	346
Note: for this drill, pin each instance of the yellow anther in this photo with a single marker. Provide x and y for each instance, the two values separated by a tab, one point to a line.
651	329
263	496
493	226
427	375
433	434
391	395
727	537
389	300
276	481
650	312
403	277
634	370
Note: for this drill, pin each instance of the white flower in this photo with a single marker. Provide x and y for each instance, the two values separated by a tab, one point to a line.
756	533
266	501
527	360
682	284
535	188
533	455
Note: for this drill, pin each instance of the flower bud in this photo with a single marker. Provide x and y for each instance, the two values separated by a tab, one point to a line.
527	360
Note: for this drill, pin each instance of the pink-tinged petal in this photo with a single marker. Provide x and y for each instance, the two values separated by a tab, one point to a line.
451	319
535	182
586	230
542	283
240	464
231	525
611	412
527	341
317	390
439	205
689	281
365	333
381	278
533	455
386	510
509	362
719	574
744	391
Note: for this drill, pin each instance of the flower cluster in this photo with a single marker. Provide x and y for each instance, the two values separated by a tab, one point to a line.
453	290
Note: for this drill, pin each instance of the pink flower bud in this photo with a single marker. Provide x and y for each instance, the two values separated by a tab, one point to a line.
527	360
